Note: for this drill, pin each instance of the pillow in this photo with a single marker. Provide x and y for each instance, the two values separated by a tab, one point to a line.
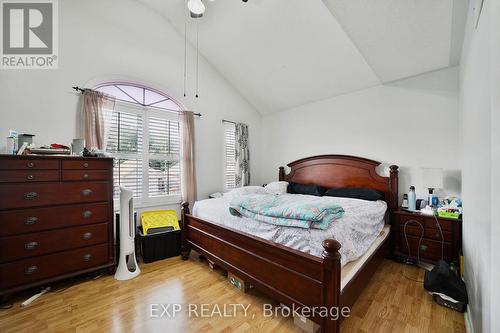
355	193
276	188
306	189
237	192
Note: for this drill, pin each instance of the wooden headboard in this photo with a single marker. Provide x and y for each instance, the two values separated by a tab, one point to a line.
344	171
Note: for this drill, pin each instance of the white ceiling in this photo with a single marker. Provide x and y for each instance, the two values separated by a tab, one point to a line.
403	38
284	53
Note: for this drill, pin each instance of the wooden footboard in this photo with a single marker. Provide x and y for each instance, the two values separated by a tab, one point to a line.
289	276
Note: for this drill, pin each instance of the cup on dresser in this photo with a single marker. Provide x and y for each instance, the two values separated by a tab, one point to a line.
77	146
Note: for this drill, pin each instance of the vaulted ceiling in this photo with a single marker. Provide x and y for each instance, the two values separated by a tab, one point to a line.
283	53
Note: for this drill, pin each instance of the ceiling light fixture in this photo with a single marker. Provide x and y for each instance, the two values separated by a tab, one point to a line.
196	7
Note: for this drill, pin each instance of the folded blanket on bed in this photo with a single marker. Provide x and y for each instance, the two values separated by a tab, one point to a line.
286	210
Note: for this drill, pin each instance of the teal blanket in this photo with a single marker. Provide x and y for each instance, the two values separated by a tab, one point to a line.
289	210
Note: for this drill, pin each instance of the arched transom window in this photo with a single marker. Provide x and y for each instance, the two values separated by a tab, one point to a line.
143	136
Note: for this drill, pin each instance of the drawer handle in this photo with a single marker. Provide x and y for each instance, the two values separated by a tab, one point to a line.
423	247
31	220
85	165
87	257
87	192
87	214
31	246
31	270
30	177
87	235
85	175
30	195
30	164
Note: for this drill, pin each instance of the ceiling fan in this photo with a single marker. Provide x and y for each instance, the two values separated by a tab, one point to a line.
197	8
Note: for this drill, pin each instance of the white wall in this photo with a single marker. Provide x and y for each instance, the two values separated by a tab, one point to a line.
122	38
411	123
480	124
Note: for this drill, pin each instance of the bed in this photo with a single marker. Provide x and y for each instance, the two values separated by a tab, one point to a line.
291	275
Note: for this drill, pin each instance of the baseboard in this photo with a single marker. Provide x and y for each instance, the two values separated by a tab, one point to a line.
468	322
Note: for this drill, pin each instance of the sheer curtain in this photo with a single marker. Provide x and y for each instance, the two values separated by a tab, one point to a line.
242	155
95	108
188	158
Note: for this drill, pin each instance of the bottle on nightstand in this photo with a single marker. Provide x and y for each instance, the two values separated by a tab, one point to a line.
405	201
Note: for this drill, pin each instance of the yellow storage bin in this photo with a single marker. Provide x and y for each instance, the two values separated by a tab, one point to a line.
158	219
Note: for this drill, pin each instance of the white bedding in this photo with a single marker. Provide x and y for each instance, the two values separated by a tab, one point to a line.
356	230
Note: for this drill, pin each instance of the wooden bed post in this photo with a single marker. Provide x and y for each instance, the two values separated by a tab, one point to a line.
331	285
185	248
282	174
393	183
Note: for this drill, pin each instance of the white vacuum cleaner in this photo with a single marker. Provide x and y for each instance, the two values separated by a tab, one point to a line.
127	264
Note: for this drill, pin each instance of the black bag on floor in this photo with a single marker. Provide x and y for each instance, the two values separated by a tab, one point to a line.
444	281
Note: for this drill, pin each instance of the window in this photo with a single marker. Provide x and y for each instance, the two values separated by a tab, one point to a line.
230	156
144	138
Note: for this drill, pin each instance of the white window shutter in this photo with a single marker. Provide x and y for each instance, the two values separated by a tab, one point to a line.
230	156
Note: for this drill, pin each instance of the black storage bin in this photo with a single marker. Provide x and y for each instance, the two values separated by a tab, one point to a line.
159	246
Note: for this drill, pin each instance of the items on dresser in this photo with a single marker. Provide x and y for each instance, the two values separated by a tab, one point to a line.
430	237
56	218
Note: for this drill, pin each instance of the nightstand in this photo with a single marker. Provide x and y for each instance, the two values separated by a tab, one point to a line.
430	247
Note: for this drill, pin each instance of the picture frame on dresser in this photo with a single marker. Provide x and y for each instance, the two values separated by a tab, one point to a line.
56	219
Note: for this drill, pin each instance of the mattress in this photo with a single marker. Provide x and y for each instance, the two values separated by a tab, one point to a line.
351	269
356	231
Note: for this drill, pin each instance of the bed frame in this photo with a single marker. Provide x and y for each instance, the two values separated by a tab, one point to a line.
287	275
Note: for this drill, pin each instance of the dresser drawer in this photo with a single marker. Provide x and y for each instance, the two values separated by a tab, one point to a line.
16	176
16	222
38	268
69	175
31	164
40	243
86	164
429	249
34	195
415	230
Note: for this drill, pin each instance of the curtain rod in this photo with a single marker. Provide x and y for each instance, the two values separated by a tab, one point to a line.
229	121
76	88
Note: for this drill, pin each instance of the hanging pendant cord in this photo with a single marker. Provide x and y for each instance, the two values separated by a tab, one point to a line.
185	55
197	60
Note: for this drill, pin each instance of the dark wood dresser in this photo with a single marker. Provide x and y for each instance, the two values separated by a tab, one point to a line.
430	247
56	219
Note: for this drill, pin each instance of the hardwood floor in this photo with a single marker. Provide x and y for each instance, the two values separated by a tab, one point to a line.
390	303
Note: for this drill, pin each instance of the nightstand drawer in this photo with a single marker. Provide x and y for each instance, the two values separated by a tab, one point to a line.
427	221
429	249
430	222
414	229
